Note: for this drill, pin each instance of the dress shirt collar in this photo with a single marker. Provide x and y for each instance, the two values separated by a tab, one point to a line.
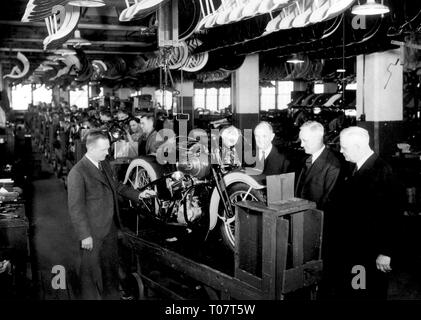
317	154
364	159
94	162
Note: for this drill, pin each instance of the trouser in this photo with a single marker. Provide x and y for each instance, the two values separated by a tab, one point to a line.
99	269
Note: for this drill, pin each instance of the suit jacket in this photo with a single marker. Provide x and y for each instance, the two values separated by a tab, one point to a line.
317	183
275	163
368	213
92	198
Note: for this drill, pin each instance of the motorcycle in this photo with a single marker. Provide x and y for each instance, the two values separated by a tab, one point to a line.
196	192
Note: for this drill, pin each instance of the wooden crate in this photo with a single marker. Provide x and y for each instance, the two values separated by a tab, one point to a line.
278	246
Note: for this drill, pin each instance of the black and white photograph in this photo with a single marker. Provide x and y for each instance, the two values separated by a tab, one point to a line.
198	157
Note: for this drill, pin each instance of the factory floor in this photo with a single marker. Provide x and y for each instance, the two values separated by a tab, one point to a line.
53	242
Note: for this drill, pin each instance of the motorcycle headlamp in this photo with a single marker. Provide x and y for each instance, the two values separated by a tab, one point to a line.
230	136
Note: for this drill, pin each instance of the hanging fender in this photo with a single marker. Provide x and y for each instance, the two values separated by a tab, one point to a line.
16	72
229	179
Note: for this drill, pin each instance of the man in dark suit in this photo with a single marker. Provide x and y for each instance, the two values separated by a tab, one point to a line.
368	215
269	160
321	169
93	209
316	182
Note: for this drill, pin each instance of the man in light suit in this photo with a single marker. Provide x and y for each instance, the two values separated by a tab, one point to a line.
93	209
320	172
368	212
269	159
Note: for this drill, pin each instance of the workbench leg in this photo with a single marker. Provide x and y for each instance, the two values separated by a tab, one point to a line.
139	280
140	285
225	295
212	294
314	290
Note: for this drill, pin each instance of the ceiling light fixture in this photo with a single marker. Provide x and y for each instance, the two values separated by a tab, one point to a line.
87	3
295	59
337	7
370	8
65	51
56	58
78	41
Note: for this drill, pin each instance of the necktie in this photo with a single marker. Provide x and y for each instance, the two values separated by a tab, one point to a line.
100	167
261	161
303	176
354	172
309	162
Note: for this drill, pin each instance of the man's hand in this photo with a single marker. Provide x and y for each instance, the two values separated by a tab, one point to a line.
18	190
129	136
87	243
147	194
5	266
383	263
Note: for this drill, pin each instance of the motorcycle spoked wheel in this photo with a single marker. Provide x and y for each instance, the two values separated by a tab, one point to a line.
236	192
138	178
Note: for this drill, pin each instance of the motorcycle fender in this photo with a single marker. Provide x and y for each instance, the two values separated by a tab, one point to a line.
230	178
145	164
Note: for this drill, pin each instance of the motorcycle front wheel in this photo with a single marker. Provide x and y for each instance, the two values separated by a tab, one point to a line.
141	172
236	192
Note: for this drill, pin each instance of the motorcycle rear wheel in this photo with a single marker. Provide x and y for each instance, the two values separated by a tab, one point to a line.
237	192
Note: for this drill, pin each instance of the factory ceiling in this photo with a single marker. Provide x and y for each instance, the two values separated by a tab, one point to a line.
123	37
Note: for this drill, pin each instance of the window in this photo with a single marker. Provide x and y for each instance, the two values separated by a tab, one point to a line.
319	88
42	94
213	99
276	96
224	98
284	93
21	97
267	98
136	93
199	98
164	100
79	97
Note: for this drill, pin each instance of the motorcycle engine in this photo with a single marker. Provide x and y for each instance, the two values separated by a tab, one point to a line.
195	206
190	195
193	210
197	162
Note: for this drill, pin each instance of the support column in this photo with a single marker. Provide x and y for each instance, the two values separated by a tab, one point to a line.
2	81
380	99
56	95
185	101
245	93
60	95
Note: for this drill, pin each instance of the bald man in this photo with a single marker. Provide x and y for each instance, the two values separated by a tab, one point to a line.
367	213
269	159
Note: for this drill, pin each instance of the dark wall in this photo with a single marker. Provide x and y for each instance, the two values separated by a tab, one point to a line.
384	136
